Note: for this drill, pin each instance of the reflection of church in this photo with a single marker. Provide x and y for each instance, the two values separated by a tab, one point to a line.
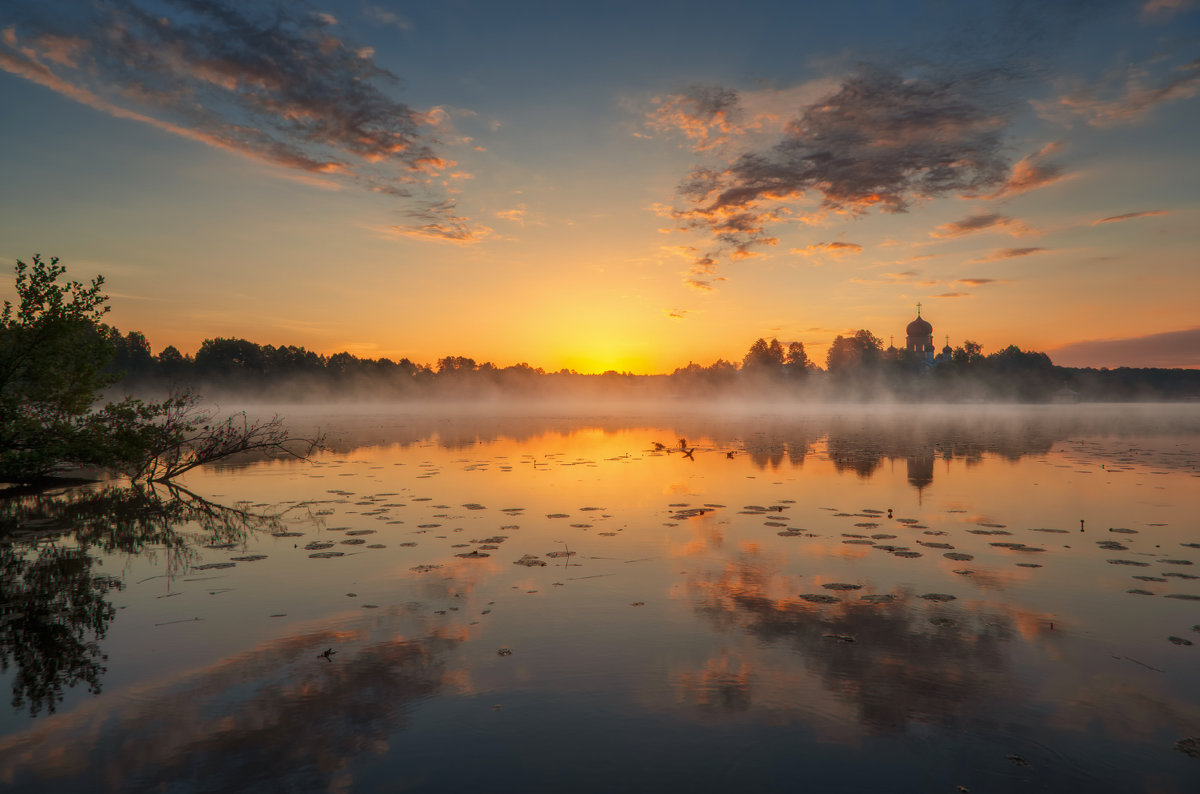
919	342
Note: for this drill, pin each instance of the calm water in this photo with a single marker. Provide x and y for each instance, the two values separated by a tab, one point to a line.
854	600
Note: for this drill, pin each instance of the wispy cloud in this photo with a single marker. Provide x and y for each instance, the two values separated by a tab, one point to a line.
953	295
1126	96
712	117
275	83
905	276
980	222
1009	253
515	215
708	115
979	282
1128	216
385	16
834	249
439	222
1033	171
1163	10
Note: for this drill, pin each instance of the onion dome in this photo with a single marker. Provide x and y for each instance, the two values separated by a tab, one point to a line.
919	327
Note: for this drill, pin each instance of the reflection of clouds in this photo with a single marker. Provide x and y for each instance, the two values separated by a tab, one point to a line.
278	715
709	535
888	660
724	684
994	579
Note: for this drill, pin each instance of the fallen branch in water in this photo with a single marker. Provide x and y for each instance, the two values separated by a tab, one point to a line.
189	437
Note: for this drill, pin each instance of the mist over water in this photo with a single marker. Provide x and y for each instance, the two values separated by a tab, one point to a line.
668	595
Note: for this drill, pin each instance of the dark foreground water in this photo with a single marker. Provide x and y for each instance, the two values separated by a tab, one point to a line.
930	600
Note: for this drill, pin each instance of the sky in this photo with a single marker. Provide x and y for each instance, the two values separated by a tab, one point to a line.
614	185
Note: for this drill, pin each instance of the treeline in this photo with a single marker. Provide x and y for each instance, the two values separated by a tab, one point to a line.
857	367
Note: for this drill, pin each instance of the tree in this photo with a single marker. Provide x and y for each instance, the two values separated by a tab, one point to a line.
53	355
969	355
764	355
53	352
797	361
849	353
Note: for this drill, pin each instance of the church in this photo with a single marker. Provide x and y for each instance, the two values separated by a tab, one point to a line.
919	342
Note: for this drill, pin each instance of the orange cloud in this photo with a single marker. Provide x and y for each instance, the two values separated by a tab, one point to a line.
1128	216
1124	98
981	222
835	249
1032	171
706	115
515	215
1009	253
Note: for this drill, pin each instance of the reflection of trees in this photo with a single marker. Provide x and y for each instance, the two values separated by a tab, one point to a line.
276	718
132	520
889	660
53	605
863	448
867	433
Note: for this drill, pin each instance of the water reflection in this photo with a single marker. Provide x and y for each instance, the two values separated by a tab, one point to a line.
688	590
858	440
54	610
279	717
53	613
895	657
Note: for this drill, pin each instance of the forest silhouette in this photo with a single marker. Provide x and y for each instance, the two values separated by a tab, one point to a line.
857	368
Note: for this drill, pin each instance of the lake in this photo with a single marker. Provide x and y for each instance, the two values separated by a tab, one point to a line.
851	599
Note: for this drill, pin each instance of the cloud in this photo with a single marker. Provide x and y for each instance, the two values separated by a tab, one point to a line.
1162	10
979	282
385	17
1128	216
706	114
713	116
880	141
981	222
1033	171
905	276
515	215
1009	253
835	249
268	81
953	295
676	314
1123	97
439	222
1169	349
